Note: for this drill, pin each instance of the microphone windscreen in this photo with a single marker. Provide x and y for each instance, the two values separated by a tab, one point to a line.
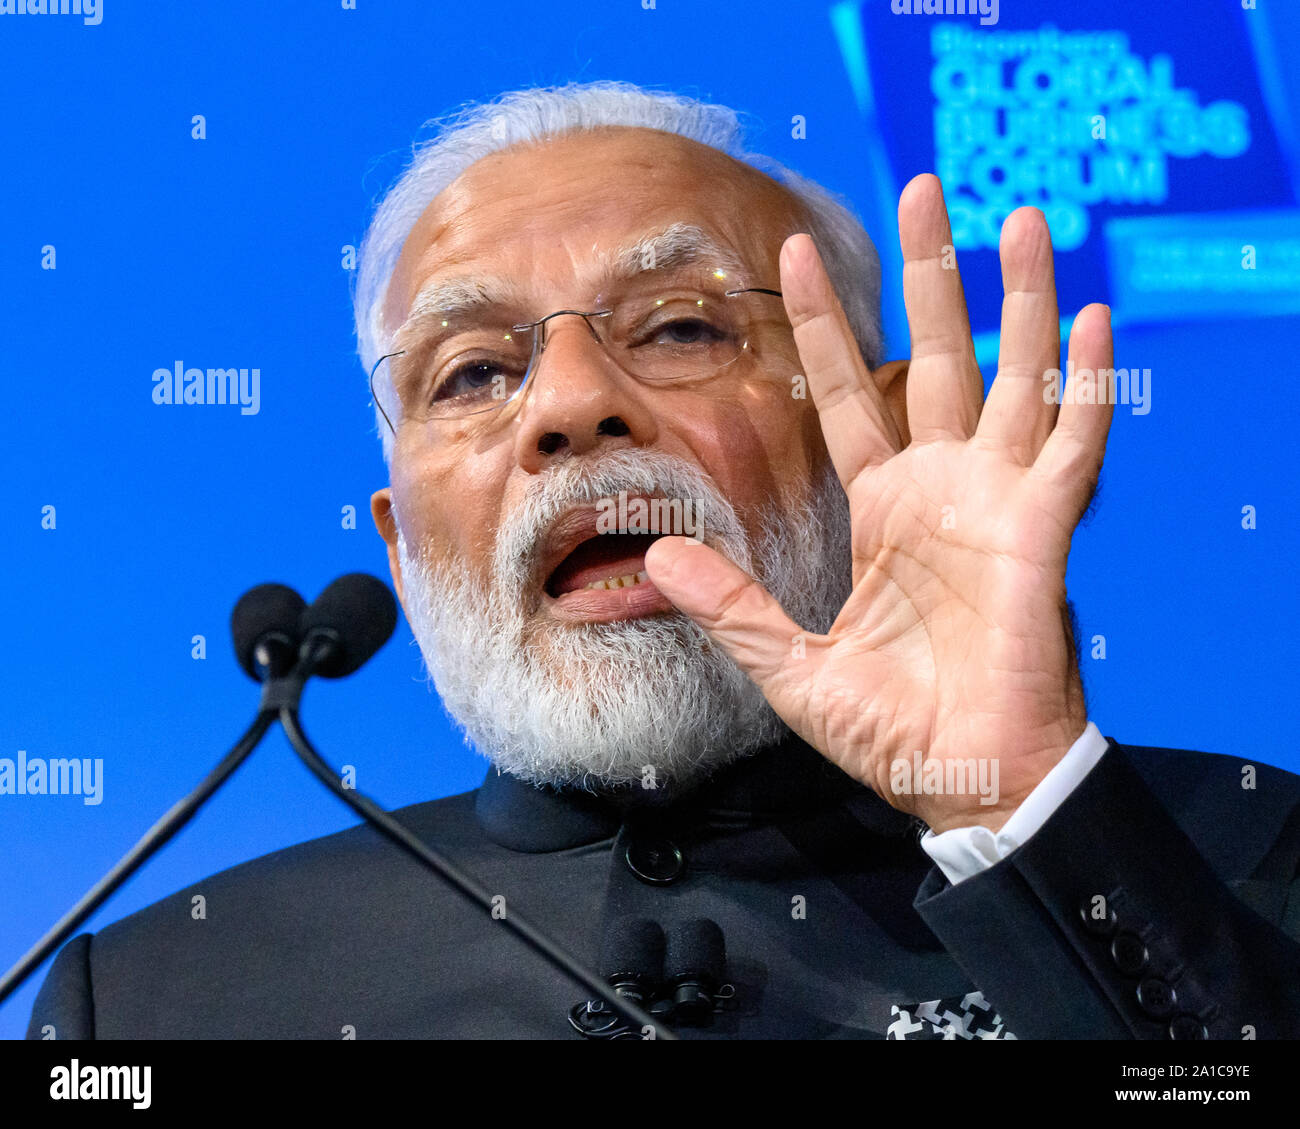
696	950
260	611
359	610
633	947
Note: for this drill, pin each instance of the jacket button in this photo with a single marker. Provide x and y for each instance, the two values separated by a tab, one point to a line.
655	860
1156	998
1097	926
1188	1027
1129	953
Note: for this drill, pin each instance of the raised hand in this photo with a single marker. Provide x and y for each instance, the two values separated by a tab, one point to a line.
954	643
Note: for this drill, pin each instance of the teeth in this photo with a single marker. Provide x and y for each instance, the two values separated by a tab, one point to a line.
619	581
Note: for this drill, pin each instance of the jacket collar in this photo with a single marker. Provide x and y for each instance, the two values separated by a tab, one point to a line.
780	781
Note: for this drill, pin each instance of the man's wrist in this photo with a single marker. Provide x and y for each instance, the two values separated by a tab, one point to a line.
961	851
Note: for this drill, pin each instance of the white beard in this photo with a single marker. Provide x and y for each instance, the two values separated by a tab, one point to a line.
604	705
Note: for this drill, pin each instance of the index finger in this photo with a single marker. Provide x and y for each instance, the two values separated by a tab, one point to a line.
856	422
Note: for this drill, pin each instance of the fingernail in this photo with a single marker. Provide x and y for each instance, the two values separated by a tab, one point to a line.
786	260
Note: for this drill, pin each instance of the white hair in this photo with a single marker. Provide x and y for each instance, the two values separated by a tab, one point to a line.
476	130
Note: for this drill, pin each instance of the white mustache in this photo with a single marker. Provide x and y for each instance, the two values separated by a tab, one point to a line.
585	482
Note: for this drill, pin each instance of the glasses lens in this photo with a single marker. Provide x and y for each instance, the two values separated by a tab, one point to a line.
462	368
688	329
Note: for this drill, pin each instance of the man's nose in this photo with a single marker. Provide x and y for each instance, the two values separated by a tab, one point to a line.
577	400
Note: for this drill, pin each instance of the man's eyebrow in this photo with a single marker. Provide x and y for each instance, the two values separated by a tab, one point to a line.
679	244
676	245
436	301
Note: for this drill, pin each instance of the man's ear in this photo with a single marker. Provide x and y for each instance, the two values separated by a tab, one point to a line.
891	379
381	511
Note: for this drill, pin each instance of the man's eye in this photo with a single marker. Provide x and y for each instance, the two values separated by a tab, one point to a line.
687	331
476	380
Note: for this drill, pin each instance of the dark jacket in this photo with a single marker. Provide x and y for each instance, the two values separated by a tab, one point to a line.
837	925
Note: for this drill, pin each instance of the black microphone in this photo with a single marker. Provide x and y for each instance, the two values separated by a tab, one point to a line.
694	966
632	963
265	631
632	957
334	637
346	625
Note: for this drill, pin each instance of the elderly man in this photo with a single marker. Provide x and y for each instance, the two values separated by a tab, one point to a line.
753	627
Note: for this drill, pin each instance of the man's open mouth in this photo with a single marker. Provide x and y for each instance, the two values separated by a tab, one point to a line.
603	562
590	576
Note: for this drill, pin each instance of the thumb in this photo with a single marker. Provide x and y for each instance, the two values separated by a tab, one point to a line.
737	612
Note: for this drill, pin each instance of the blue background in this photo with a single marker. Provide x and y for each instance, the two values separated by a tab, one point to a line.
228	252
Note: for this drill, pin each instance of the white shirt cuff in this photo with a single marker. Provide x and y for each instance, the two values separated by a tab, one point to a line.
963	852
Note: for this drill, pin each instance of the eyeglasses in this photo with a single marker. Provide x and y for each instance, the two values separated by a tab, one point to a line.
687	328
